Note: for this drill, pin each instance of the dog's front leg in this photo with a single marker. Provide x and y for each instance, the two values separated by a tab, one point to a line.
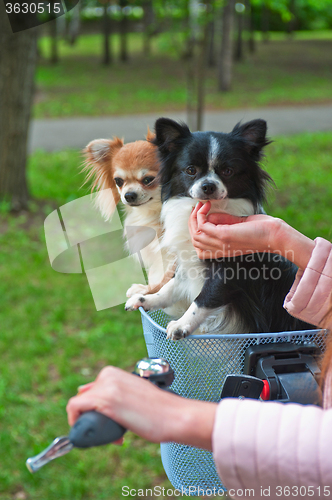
151	302
188	323
208	304
153	286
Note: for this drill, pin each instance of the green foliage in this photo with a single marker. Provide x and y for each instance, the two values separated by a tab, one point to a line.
93	11
301	168
308	14
279	6
56	177
281	72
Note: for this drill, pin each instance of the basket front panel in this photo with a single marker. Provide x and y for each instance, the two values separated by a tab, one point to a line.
201	364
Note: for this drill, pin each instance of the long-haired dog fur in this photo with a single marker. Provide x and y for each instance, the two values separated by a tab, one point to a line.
128	173
242	294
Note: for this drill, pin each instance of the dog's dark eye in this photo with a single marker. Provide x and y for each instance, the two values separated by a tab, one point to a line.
147	180
118	181
191	170
227	172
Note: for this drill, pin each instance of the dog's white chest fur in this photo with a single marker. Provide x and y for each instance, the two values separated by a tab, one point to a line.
142	218
190	272
137	226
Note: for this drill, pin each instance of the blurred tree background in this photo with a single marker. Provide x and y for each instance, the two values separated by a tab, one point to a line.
116	58
199	42
107	57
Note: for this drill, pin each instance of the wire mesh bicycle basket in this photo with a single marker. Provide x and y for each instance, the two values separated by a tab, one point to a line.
201	364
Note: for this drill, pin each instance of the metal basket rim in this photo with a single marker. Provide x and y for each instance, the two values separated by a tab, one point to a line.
257	336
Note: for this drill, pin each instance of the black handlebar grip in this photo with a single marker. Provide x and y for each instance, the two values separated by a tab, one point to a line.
94	429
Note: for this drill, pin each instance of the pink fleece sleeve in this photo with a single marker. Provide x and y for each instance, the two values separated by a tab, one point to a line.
268	444
309	297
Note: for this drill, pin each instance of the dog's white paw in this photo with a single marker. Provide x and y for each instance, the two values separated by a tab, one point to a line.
135	302
137	289
176	330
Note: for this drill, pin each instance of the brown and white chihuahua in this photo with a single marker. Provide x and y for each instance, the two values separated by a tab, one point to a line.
127	173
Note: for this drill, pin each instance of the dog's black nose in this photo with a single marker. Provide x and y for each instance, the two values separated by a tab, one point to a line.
131	197
208	187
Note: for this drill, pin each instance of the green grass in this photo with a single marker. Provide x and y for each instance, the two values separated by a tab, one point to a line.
52	339
301	168
297	35
281	72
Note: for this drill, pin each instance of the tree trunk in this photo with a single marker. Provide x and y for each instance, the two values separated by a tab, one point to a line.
250	27
61	26
291	25
107	58
201	76
40	55
239	41
148	20
211	45
123	33
226	57
265	22
54	59
74	25
189	65
189	59
18	56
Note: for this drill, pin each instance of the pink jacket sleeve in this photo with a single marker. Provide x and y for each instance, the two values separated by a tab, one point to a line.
269	445
309	297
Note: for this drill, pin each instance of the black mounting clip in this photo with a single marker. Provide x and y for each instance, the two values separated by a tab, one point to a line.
283	372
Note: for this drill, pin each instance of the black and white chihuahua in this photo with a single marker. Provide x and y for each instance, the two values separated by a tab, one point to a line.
242	294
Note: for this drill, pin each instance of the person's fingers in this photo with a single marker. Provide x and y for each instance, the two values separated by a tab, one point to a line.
193	223
193	215
205	241
193	220
202	215
77	405
208	229
223	218
204	209
84	388
196	208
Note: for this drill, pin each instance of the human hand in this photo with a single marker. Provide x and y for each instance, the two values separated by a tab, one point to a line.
143	408
222	235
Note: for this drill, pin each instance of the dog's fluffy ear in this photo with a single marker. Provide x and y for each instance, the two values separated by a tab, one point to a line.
150	136
169	132
99	156
254	134
101	150
170	136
